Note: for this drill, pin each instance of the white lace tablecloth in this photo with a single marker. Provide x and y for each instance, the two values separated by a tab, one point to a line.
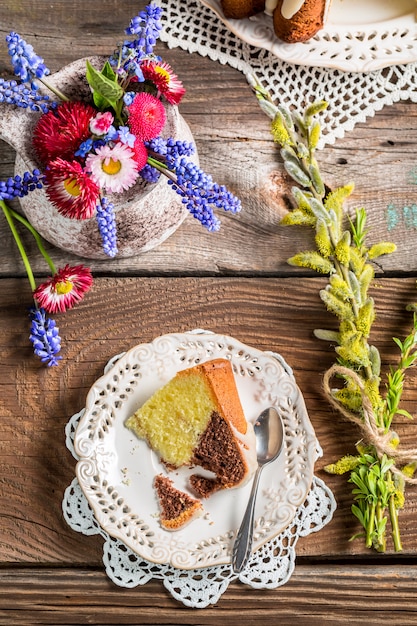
352	97
269	567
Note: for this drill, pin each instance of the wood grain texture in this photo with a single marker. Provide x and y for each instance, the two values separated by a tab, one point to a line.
235	282
271	314
235	146
86	596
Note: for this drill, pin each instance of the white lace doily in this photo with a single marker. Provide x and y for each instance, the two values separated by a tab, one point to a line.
269	567
352	97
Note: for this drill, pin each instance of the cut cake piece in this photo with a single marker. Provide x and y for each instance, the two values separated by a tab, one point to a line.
197	419
177	509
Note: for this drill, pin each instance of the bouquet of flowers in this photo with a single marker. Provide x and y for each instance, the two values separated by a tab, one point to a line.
91	150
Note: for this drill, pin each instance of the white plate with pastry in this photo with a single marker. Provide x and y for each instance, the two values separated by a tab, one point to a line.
358	36
116	469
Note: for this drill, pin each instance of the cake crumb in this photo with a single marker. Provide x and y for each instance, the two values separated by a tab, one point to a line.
126	480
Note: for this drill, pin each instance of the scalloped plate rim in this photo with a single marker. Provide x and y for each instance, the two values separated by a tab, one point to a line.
304	54
121	534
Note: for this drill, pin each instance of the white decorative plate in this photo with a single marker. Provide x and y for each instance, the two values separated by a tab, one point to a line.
359	36
116	470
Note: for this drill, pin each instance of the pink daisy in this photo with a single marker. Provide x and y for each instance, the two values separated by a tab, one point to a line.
141	154
60	132
146	116
63	290
167	83
113	168
71	189
101	123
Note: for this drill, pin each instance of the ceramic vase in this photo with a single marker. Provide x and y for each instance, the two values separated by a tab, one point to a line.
146	214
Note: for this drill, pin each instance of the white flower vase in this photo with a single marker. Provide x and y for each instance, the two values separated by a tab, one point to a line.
146	214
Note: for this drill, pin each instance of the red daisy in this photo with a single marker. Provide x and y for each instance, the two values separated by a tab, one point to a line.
61	131
63	290
146	116
71	189
167	83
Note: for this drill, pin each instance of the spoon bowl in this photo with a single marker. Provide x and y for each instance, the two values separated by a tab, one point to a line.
269	433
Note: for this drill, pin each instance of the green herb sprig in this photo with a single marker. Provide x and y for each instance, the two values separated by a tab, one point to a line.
381	469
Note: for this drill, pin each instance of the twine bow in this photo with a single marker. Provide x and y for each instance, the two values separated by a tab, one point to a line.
371	432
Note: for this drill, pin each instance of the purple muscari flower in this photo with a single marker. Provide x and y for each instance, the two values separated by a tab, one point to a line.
149	174
26	64
200	194
147	26
20	95
126	63
19	186
44	335
171	149
107	226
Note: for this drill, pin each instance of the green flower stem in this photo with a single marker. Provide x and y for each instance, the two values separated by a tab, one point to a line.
161	167
158	165
8	216
380	536
54	90
395	529
36	236
370	525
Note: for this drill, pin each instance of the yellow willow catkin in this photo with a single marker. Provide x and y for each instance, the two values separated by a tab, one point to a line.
312	260
298	218
340	288
322	239
342	251
342	310
384	247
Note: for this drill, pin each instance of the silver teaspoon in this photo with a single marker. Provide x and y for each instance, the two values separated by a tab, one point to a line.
269	432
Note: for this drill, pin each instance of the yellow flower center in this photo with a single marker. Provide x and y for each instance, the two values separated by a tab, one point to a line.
163	72
109	166
63	287
72	187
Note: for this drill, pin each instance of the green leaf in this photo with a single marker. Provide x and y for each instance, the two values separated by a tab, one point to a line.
358	514
398	342
404	413
108	72
106	91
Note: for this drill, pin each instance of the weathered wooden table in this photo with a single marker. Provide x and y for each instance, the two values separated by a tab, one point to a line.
235	282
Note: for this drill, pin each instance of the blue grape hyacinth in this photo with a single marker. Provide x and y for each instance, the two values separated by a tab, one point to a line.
26	63
44	335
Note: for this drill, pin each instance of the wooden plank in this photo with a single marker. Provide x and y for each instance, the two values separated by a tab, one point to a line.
235	146
269	314
311	598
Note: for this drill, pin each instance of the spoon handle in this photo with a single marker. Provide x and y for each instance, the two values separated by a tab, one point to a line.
243	543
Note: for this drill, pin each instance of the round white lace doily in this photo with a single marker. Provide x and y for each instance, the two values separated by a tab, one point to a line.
269	567
352	96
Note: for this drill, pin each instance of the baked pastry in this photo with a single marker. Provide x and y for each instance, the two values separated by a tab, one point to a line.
299	20
238	9
197	419
293	20
177	509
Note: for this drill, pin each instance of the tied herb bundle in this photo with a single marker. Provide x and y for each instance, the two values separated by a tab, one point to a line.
380	469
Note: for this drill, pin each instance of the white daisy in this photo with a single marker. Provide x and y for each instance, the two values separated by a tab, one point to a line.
113	167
